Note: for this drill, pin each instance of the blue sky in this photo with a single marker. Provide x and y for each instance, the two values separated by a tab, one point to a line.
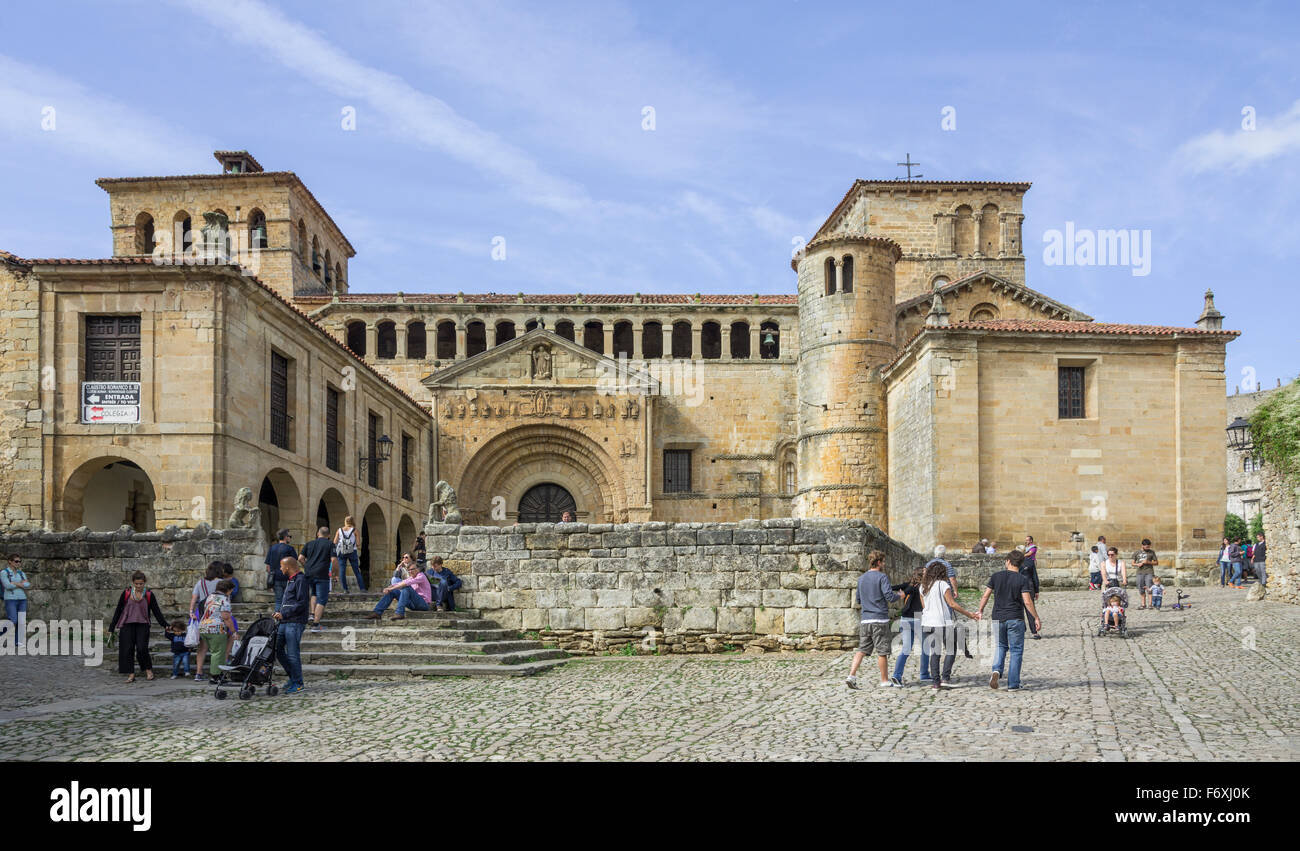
525	120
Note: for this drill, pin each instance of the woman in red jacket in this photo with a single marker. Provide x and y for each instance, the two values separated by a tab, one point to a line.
134	607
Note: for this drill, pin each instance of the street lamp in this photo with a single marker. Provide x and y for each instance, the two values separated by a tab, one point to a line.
383	451
1239	435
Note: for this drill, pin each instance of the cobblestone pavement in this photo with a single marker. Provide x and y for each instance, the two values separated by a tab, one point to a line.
1216	682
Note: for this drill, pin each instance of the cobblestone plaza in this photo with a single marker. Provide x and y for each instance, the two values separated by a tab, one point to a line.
1216	682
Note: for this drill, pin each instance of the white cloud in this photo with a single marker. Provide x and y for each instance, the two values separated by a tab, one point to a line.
88	125
407	111
1242	149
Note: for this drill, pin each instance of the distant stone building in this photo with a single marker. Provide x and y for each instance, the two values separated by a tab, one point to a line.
1245	489
912	380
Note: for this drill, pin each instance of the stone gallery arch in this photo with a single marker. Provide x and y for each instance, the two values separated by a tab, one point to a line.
515	461
280	501
374	554
106	493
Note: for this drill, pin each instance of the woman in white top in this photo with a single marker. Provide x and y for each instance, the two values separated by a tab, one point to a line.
1114	571
347	543
938	631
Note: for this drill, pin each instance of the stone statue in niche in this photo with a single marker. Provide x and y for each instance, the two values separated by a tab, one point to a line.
246	515
445	508
542	362
597	411
582	409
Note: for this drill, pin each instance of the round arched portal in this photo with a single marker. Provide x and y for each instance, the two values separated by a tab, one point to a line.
406	533
107	493
330	510
375	560
546	503
515	461
281	505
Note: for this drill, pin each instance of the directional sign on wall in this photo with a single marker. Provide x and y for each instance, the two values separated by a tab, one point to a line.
110	402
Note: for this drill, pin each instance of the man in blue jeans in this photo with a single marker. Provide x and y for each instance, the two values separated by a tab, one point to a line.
412	593
292	616
1012	597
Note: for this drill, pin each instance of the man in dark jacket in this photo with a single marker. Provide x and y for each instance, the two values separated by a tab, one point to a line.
292	616
317	562
1029	570
279	551
1258	557
444	582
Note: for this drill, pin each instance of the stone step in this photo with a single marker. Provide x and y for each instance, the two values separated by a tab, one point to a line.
402	672
358	609
398	634
357	657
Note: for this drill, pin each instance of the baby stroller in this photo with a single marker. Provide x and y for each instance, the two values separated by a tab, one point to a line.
1106	628
253	661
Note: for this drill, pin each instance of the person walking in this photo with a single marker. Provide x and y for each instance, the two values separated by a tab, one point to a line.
1113	569
909	628
278	552
1146	562
1239	566
444	584
317	562
292	617
347	543
874	597
16	585
203	589
1228	556
1095	559
938	632
1258	559
216	630
1029	569
131	617
1013	603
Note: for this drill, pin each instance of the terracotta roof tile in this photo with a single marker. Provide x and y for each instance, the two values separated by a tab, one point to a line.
500	298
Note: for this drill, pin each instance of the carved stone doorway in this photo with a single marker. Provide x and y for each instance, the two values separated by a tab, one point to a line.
546	503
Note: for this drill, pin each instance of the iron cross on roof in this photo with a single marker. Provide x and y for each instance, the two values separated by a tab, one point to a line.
909	165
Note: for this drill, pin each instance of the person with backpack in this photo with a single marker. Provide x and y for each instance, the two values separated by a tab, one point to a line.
346	544
134	607
216	630
203	589
16	585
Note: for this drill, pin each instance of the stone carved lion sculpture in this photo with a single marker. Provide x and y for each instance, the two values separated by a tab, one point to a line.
446	501
246	515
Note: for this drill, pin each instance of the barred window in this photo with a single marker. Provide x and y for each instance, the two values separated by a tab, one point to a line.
677	471
1070	392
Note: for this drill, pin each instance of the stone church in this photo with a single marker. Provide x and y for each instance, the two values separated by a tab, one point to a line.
911	378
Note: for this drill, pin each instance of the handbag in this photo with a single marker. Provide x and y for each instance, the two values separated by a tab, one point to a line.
192	633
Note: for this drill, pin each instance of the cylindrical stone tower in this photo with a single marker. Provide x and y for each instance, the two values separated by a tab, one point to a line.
846	332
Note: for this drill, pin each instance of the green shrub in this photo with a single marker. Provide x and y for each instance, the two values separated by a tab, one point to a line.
1234	528
1256	525
1275	430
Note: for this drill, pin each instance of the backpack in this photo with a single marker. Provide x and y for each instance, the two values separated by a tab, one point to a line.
13	578
347	542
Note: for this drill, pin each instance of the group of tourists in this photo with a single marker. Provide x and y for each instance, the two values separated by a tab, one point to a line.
1238	557
1107	570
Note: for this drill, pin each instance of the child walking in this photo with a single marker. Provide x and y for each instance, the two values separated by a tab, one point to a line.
180	653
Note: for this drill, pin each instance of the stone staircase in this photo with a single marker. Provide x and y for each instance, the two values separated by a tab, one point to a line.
425	644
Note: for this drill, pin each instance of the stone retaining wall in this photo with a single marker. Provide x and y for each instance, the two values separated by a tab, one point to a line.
676	587
1281	507
80	574
1061	569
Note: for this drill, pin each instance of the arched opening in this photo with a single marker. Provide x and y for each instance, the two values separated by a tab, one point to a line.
339	283
546	503
711	340
530	325
386	340
505	331
475	338
828	272
622	340
939	281
144	243
182	232
417	341
565	329
330	510
739	340
989	230
846	274
329	274
681	339
302	240
652	340
315	255
983	311
107	493
357	337
257	237
593	336
769	341
965	231
281	504
446	343
406	533
373	555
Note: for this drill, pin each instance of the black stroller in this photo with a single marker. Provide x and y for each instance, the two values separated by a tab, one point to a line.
253	662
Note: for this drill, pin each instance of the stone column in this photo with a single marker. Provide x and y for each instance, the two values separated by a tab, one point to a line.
638	333
608	329
945	234
726	341
754	351
839	274
490	332
401	340
460	342
695	340
372	340
976	218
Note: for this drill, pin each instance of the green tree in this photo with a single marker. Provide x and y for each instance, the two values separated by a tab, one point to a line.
1234	528
1275	430
1256	525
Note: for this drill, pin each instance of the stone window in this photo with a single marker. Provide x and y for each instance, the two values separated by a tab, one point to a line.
622	339
1251	465
565	329
112	348
769	341
681	339
983	311
357	337
329	275
257	229
183	233
372	449
593	336
847	274
652	340
302	239
315	255
828	271
386	340
144	243
711	340
408	481
446	343
677	471
1070	392
417	341
505	331
475	338
789	478
739	340
333	430
280	416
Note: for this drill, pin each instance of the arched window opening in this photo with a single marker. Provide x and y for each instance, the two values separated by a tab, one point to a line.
739	340
652	340
257	237
789	477
983	311
302	240
386	340
622	340
681	339
417	341
329	275
530	325
446	344
144	243
505	331
315	255
565	330
989	228
183	233
769	341
711	340
847	274
475	338
357	337
593	336
828	271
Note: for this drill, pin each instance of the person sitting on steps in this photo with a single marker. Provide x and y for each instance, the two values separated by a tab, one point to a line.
413	592
445	583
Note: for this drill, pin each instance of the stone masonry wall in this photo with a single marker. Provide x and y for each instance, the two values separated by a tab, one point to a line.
80	574
1281	507
686	587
